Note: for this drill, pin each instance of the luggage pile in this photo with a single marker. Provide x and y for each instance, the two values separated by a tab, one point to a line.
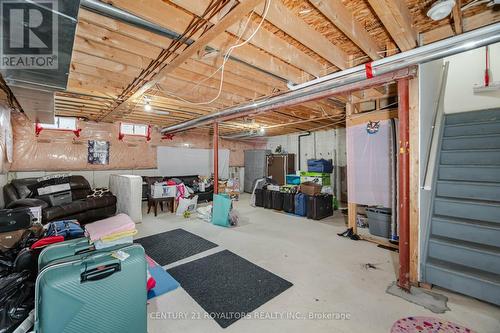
54	279
307	194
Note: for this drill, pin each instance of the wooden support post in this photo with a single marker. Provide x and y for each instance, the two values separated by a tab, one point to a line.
216	157
414	181
351	216
404	185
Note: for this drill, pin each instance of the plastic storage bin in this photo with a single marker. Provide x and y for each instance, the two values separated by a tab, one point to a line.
379	221
321	165
321	178
293	180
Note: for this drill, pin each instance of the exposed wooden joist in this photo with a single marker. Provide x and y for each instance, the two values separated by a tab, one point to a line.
263	39
457	18
286	20
397	19
343	19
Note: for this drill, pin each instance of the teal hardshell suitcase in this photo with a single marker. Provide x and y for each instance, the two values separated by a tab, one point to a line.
64	249
93	292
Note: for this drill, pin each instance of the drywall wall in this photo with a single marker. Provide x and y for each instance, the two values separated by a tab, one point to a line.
62	151
5	146
194	161
320	144
466	71
429	80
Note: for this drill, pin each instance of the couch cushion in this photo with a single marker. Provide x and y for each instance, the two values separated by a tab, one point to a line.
78	206
22	186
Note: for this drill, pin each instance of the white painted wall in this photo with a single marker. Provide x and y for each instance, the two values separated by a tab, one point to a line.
467	70
320	144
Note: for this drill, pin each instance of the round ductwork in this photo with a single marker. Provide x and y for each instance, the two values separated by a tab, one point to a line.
441	9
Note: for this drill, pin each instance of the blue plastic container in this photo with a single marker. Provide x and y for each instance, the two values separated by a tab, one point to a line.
293	179
322	165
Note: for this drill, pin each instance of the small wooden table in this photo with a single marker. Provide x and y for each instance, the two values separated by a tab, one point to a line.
153	202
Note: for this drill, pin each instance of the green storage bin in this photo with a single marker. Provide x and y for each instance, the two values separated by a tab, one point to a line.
316	177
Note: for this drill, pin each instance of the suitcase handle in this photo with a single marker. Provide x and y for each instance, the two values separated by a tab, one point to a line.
100	272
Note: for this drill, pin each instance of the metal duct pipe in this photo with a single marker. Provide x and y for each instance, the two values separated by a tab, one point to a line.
340	81
110	11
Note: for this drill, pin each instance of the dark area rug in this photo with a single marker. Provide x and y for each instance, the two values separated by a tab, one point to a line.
227	286
174	245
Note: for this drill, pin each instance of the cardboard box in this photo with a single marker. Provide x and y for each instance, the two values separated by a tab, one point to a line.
310	188
162	190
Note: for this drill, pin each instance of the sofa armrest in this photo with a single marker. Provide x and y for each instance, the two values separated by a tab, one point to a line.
27	202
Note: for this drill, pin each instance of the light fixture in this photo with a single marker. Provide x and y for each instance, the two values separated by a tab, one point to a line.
147	107
441	9
262	130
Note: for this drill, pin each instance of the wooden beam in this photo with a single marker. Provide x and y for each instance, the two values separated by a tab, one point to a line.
283	18
457	18
363	118
397	19
263	39
414	181
343	19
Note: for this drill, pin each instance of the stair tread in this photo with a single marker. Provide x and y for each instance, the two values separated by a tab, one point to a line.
475	223
465	201
471	136
487	166
468	182
471	150
471	123
464	270
492	250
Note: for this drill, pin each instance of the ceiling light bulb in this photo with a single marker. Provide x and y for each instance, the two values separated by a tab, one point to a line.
147	107
262	130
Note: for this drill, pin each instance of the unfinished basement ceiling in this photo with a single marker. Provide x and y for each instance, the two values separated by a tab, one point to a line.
298	40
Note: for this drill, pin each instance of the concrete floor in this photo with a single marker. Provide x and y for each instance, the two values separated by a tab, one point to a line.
327	271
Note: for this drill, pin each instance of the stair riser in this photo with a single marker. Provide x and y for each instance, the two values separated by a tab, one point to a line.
472	211
470	157
466	232
459	255
489	142
478	129
469	191
473	174
473	117
487	291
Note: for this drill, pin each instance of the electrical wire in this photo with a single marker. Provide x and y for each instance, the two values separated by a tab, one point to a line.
226	58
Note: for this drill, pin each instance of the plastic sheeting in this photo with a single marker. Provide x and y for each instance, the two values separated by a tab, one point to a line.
369	165
6	140
63	151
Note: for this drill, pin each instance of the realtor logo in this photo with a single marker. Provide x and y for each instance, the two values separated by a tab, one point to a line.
28	34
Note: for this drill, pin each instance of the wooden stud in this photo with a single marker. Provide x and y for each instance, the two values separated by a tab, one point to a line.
414	180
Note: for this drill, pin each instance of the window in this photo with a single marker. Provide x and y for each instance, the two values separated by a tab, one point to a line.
62	123
135	130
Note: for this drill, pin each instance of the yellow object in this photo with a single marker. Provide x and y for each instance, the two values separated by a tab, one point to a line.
118	235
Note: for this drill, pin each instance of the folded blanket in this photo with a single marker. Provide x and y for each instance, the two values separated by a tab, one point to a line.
118	235
99	244
111	225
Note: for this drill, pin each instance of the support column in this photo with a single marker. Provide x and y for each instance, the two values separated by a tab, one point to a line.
216	157
404	184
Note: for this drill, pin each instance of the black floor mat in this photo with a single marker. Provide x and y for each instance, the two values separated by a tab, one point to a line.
174	245
228	286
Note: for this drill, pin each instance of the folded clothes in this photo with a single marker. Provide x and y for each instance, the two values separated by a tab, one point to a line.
118	235
99	244
111	225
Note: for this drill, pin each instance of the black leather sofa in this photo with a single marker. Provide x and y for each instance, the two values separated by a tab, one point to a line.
187	180
83	209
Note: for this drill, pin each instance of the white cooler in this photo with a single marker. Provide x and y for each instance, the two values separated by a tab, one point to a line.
128	192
